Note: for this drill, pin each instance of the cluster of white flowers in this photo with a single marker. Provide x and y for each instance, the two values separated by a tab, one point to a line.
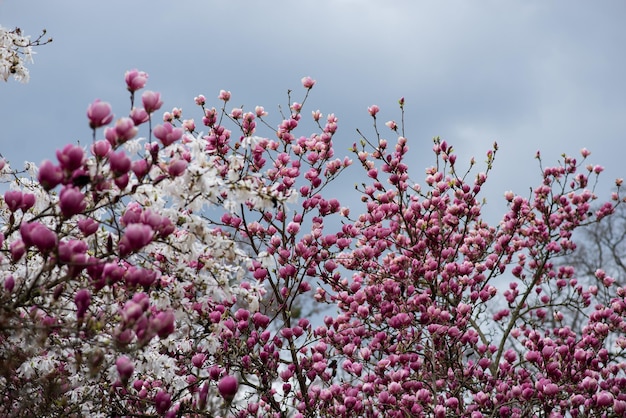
15	50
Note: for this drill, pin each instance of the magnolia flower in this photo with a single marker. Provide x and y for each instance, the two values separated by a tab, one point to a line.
151	101
15	50
227	387
135	80
99	114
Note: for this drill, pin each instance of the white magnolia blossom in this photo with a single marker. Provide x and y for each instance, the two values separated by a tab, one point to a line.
15	50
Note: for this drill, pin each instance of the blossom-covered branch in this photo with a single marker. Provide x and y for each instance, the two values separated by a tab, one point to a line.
15	51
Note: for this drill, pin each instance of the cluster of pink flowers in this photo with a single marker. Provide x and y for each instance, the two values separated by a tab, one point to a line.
176	277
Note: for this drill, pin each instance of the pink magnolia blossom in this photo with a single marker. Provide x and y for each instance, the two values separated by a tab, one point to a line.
99	114
71	157
136	236
125	368
49	175
224	95
151	101
125	129
71	201
9	284
307	82
228	386
163	324
167	133
140	168
162	401
200	100
13	199
176	167
135	80
119	162
101	148
139	116
82	301
373	110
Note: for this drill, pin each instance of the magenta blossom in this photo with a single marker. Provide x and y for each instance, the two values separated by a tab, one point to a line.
125	368
228	386
82	299
135	80
163	324
13	199
119	162
151	101
17	249
177	167
139	116
373	110
49	175
125	129
28	201
140	168
135	238
308	82
167	133
38	235
71	201
224	95
9	284
101	148
71	157
99	114
162	402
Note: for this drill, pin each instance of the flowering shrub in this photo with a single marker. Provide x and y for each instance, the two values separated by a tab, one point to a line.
163	276
15	49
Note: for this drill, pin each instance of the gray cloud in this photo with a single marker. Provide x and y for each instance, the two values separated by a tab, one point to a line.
531	75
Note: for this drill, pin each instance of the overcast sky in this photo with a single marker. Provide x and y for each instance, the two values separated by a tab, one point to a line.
531	75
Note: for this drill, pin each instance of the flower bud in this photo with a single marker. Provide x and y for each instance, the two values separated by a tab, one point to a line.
9	284
82	299
17	249
125	129
28	201
163	324
307	82
125	368
162	402
224	95
227	387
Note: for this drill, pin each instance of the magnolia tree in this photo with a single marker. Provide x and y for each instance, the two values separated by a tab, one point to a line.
162	276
